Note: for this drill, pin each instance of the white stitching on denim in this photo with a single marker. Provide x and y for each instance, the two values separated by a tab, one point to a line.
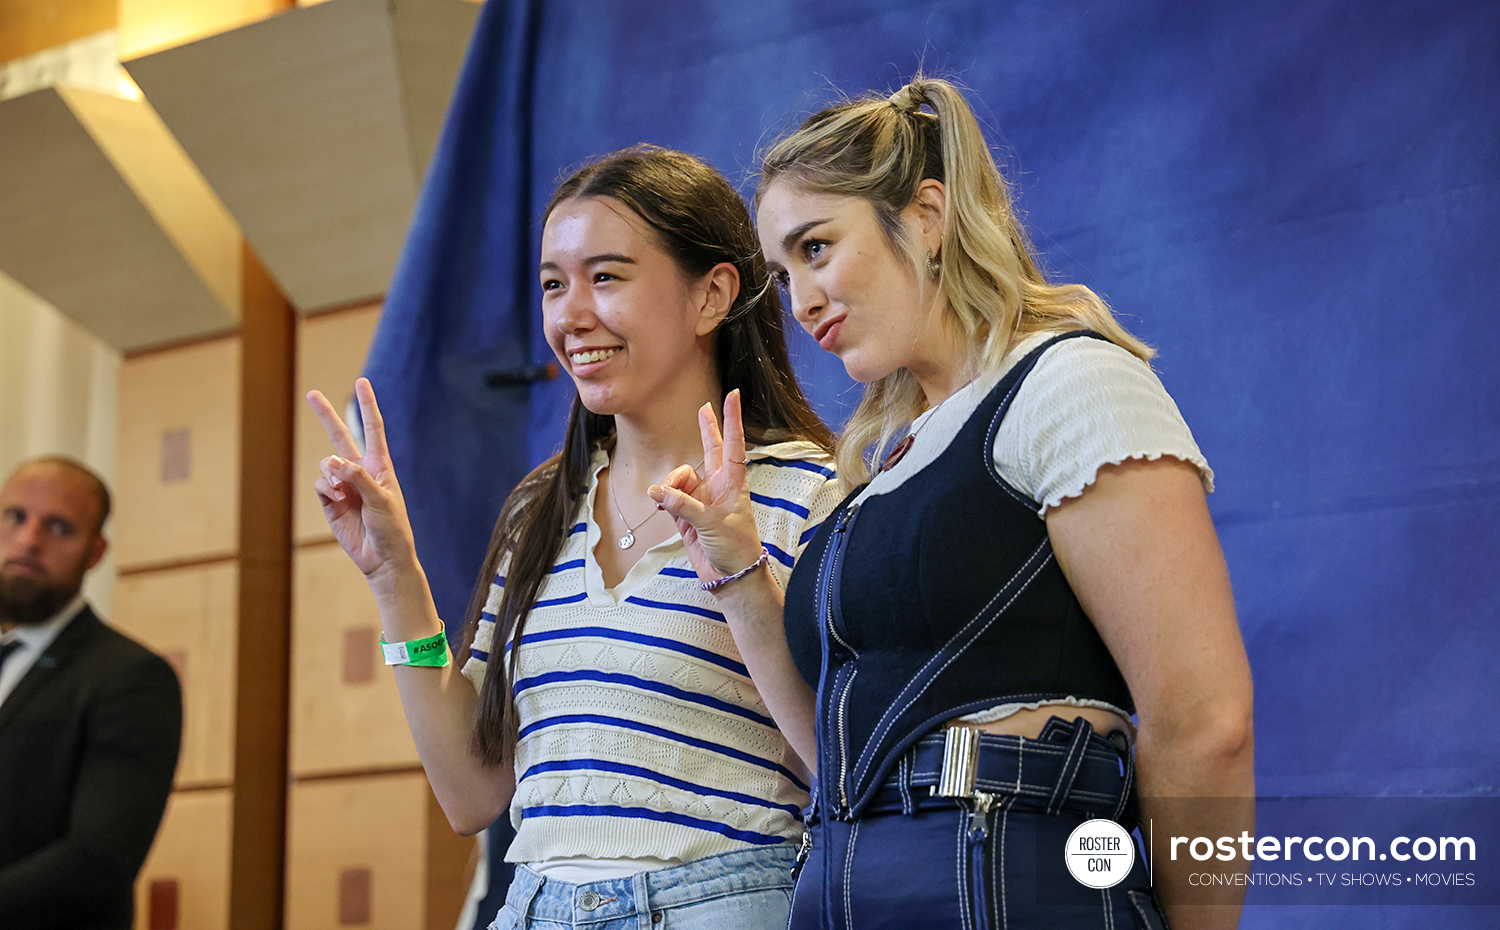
999	863
1126	788
930	675
961	870
1067	773
881	724
1003	410
901	787
848	872
1135	902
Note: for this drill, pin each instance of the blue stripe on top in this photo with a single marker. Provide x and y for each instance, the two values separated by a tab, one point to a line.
780	503
615	678
787	463
570	599
479	654
782	557
578	528
559	567
609	810
604	765
604	632
674	736
685	608
671	572
808	534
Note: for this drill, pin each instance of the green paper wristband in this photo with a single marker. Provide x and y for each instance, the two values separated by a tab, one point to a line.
430	652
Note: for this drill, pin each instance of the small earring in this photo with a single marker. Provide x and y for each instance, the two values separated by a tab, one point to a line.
934	267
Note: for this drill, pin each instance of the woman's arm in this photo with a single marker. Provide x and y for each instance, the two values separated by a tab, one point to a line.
718	529
1140	551
365	510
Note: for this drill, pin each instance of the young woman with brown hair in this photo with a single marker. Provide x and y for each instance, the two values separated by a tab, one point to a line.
616	716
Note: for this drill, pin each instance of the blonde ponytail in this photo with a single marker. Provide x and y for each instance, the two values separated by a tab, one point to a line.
881	149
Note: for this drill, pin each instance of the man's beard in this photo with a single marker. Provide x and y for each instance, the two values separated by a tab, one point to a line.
27	602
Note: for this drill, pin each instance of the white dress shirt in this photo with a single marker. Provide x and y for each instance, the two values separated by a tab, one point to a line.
34	640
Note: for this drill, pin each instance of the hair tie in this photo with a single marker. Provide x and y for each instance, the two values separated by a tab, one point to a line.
905	100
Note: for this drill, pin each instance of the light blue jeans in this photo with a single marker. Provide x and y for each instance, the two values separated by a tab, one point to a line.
748	888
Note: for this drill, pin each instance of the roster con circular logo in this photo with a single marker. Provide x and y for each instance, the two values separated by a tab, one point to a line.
1100	853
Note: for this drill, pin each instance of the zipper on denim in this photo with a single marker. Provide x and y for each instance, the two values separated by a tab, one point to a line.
804	849
841	690
978	834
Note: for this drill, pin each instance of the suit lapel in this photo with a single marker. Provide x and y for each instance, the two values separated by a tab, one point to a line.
57	657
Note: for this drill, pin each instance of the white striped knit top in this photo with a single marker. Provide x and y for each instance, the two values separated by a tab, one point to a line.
641	733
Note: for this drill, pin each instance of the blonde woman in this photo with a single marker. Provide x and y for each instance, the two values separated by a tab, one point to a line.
1030	567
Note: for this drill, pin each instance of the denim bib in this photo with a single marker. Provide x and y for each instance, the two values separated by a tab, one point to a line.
932	601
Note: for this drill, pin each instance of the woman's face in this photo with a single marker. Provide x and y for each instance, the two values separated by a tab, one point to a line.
845	283
617	311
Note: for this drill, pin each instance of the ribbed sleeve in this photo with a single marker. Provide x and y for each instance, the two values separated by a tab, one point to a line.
1087	404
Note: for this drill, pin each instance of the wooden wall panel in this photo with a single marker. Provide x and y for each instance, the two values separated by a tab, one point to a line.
147	25
189	615
184	884
31	26
177	494
331	351
346	713
364	852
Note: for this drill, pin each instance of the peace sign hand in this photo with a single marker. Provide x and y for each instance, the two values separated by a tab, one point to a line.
713	513
360	496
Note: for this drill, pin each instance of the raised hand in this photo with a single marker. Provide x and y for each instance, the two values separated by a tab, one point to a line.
360	496
713	513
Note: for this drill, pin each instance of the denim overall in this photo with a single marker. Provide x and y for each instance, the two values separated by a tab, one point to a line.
938	599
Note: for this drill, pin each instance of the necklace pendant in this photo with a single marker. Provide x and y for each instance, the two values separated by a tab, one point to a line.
626	541
897	453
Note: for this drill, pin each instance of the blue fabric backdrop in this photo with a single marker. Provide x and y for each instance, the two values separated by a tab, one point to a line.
1297	202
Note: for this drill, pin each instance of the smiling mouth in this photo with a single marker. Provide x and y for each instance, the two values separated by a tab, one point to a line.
592	355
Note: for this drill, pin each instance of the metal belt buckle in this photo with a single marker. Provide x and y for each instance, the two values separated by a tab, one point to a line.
960	764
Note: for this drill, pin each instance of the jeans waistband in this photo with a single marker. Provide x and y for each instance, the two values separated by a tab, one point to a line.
734	872
1068	767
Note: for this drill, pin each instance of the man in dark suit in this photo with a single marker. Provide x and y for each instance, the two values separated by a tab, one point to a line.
90	721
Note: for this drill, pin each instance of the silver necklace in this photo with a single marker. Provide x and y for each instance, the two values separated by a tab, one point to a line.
628	539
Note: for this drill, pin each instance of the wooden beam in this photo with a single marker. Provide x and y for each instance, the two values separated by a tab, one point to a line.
258	855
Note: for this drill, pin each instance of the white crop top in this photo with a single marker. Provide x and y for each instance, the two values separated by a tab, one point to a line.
1087	403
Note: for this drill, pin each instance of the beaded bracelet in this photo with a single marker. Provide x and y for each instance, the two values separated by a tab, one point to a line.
710	585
